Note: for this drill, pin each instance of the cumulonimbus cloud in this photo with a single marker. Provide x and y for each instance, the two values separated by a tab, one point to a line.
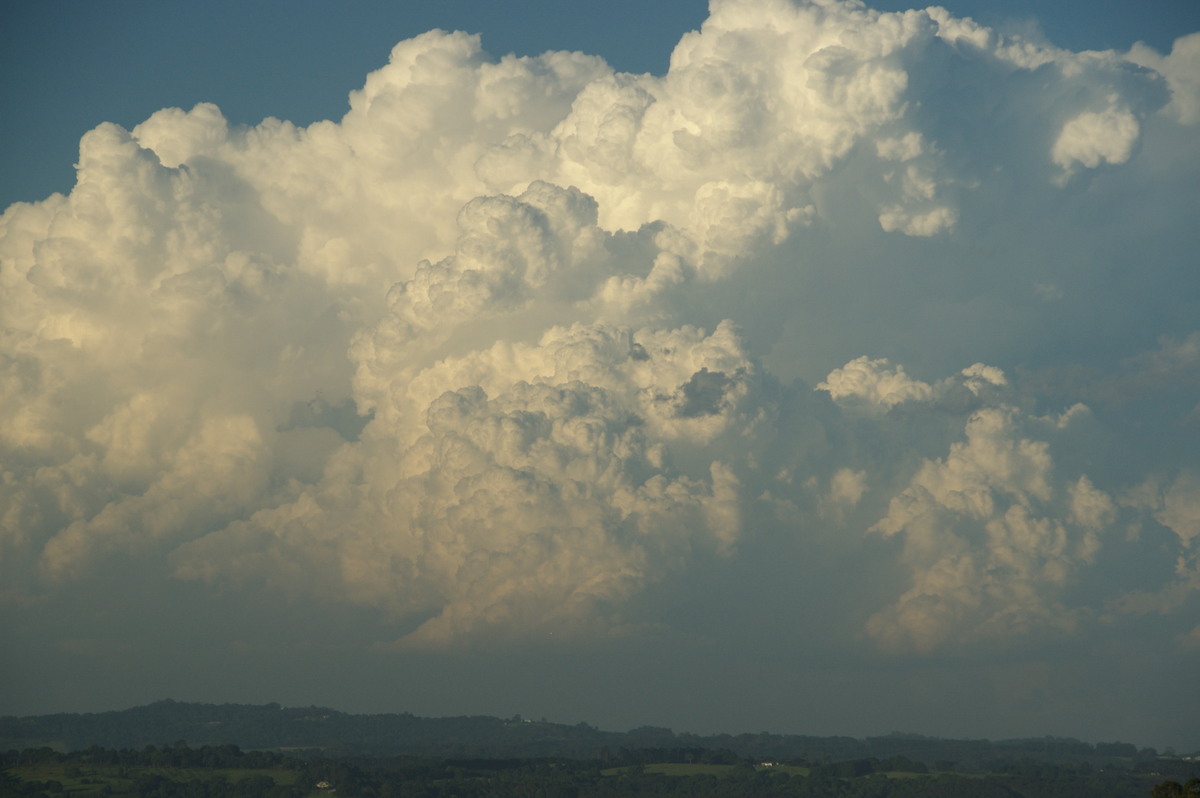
493	352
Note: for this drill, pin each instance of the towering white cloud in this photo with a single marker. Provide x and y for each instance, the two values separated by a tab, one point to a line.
991	541
516	339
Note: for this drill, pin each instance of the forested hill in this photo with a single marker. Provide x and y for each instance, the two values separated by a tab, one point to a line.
332	732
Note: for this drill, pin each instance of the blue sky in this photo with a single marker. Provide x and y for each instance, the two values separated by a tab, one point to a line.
841	379
72	65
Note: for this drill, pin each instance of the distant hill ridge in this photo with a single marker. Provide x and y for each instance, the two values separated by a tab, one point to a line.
271	726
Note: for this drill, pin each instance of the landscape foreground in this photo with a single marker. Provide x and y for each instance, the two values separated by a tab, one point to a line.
242	751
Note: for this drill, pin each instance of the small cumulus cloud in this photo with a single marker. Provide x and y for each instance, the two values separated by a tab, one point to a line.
1096	137
875	383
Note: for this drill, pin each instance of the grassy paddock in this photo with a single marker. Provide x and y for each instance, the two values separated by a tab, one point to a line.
700	769
88	779
688	769
671	769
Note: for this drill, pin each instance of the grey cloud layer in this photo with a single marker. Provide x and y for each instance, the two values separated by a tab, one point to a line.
515	339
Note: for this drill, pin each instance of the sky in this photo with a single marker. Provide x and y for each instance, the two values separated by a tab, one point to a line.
811	367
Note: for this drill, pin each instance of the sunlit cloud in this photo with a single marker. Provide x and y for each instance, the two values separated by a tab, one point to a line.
518	339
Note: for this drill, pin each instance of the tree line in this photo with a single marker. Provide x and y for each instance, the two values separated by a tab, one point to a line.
329	731
225	771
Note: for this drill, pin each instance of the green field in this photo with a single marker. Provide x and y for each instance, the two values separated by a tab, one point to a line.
686	769
85	780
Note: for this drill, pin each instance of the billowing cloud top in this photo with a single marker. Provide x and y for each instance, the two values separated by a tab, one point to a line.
517	339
